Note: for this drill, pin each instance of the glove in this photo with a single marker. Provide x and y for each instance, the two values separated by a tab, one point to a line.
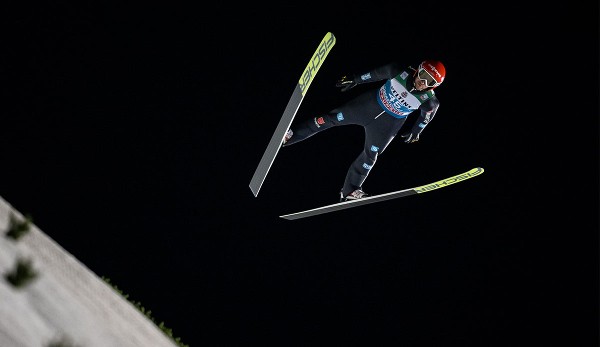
345	83
410	136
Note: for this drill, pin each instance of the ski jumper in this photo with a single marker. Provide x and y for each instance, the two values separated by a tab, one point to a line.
381	113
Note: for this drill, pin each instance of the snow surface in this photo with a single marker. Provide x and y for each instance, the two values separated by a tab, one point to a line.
66	301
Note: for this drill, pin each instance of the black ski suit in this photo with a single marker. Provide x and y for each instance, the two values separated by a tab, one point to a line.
381	112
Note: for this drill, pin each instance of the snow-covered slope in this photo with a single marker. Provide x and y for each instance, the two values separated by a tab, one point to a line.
66	301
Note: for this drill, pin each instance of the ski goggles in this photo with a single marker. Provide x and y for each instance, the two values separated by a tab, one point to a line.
425	76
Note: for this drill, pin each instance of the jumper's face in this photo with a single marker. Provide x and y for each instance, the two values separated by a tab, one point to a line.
419	83
424	80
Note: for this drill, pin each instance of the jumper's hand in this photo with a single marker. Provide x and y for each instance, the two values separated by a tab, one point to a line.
410	137
345	83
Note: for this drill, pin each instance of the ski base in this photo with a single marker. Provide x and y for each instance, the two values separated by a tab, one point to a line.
387	196
290	112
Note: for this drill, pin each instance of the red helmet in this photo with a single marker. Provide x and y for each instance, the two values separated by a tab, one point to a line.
432	72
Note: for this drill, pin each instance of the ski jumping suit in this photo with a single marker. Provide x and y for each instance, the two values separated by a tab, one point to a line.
381	112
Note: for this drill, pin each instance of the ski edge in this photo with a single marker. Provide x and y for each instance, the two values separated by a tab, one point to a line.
386	196
260	174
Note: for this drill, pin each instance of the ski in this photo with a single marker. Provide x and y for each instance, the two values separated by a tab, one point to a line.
290	112
387	196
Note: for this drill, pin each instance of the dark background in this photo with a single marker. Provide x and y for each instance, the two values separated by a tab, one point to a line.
130	135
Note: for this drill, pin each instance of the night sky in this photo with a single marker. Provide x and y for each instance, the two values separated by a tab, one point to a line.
130	135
